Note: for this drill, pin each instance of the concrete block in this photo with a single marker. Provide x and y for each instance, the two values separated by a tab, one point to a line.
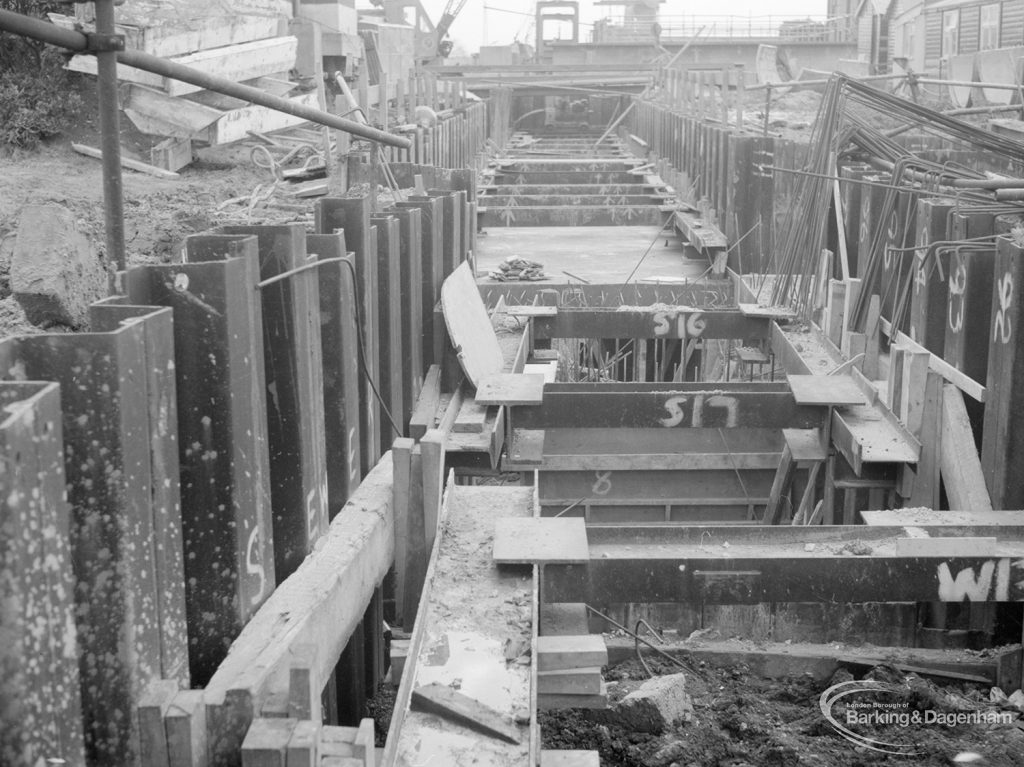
55	272
655	705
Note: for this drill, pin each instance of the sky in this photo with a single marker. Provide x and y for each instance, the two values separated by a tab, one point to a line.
481	23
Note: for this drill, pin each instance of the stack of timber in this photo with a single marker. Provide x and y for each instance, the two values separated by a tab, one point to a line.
277	742
569	672
255	43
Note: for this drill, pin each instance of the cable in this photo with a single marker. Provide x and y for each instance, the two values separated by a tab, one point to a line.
362	353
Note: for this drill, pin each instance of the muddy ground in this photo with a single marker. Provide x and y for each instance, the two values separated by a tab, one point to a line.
741	720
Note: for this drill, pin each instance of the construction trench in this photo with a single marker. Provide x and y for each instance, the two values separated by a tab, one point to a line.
628	433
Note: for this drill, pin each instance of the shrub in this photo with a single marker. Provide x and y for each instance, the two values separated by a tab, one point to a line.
37	98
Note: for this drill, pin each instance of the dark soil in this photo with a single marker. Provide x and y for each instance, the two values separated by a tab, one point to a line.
745	721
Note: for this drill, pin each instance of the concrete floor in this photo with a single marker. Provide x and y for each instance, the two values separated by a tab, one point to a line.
600	254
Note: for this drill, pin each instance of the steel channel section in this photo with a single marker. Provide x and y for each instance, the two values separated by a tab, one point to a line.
411	298
753	569
389	290
42	714
339	344
222	436
295	399
107	431
584	323
353	216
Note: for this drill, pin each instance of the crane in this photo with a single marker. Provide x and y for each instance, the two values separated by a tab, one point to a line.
428	39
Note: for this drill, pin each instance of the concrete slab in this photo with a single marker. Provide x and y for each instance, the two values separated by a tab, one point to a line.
599	254
540	541
510	389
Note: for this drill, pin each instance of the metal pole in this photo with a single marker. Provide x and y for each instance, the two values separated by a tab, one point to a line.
76	41
113	197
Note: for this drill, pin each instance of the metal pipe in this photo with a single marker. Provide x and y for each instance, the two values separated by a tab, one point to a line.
110	138
76	41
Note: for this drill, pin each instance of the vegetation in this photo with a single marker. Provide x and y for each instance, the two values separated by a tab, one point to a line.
37	97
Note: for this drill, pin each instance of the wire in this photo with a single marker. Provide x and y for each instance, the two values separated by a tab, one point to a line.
362	353
647	252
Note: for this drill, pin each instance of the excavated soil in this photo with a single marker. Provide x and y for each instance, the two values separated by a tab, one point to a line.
741	720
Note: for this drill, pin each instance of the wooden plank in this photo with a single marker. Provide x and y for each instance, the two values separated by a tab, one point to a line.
241	61
576	681
570	759
967	385
530	311
156	113
401	453
540	541
471	417
424	415
771	312
456	707
651	322
872	329
960	463
557	653
510	389
389	286
238	124
411	299
127	162
153	706
185	727
930	434
433	464
266	743
555	701
303	745
432	267
470	328
304	689
321	604
825	390
780	485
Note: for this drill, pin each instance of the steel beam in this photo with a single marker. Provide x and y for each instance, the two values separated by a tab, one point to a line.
584	323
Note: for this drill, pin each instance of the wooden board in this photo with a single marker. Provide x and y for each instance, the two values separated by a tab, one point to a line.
510	389
238	123
570	759
572	681
455	707
471	417
322	603
470	328
523	541
556	653
556	701
531	311
244	61
825	390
